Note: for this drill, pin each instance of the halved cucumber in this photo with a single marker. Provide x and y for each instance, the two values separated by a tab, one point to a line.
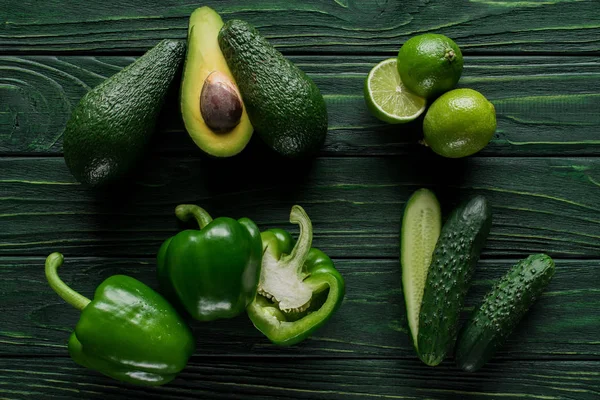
421	226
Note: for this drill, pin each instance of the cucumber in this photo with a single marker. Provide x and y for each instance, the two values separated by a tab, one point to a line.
421	225
502	309
456	253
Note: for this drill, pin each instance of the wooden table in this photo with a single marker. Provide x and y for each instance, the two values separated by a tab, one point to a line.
537	61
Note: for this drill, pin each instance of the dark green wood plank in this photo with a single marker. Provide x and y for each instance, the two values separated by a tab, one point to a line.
310	379
371	321
333	26
546	106
539	204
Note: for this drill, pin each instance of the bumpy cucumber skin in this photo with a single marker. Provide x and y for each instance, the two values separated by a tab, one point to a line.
502	309
456	253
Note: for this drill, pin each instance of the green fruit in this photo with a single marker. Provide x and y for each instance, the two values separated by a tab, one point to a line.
421	227
284	105
386	96
456	253
108	130
211	105
502	309
430	64
459	123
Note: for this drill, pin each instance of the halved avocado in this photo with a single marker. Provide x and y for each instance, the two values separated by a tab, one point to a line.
211	105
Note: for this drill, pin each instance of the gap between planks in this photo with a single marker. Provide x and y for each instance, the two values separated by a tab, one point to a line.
383	54
151	258
185	152
251	357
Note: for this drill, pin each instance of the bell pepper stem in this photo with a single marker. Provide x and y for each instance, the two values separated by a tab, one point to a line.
53	262
304	243
187	211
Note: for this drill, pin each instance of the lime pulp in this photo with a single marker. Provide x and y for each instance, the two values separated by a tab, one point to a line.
386	96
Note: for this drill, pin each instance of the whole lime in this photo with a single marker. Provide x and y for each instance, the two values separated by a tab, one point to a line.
430	64
459	123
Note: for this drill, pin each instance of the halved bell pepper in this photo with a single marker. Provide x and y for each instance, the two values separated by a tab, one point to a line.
127	332
212	272
299	288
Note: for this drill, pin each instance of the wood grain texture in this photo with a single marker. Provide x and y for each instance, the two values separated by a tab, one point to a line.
564	26
310	379
540	204
545	106
536	60
371	322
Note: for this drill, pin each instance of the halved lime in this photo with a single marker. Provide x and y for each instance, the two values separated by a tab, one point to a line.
387	97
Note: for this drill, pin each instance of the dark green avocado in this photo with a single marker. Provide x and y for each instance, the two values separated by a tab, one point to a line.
284	105
110	127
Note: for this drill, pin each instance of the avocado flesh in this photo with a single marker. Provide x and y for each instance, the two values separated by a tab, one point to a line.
109	129
284	104
203	58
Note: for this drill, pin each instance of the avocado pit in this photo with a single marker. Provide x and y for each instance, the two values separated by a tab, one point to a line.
220	103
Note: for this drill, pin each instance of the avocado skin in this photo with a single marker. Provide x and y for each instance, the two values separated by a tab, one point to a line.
110	127
284	105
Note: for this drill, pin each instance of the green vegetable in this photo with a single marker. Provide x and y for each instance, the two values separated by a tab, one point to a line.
456	253
211	105
421	227
284	105
108	130
502	309
212	272
128	331
299	288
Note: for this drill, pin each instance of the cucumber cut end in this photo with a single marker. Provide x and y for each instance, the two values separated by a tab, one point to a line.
421	226
431	359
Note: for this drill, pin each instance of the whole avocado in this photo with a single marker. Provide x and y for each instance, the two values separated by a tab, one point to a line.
284	105
110	127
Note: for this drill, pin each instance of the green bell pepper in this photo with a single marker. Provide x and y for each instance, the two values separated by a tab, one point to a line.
299	287
212	272
127	332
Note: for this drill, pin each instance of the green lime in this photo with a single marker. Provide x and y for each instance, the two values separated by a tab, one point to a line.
430	64
459	123
387	97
